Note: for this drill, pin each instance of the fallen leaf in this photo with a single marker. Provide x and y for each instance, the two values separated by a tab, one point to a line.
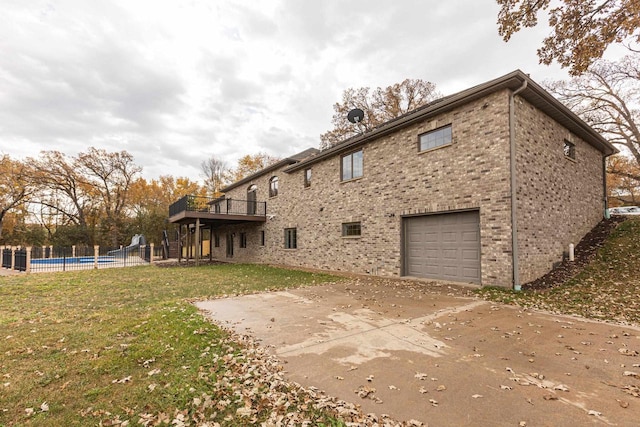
623	403
420	375
44	407
595	413
477	396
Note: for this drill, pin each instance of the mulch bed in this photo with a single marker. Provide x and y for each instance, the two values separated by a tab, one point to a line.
584	252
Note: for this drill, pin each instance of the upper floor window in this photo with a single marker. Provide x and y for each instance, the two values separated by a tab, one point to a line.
307	177
435	138
569	149
273	186
352	166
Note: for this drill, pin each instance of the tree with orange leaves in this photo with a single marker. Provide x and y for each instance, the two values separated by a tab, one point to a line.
581	30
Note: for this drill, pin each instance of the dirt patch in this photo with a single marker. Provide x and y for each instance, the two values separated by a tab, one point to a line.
585	252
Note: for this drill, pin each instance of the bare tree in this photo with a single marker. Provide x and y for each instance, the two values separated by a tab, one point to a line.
215	172
607	97
379	106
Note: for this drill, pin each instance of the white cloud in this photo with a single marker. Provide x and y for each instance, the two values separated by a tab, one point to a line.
176	82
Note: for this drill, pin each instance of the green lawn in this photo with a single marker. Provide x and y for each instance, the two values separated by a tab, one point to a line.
608	289
124	347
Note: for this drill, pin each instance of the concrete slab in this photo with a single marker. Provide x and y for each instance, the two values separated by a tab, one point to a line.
432	353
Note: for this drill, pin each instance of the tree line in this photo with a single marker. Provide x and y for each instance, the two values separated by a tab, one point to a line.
98	197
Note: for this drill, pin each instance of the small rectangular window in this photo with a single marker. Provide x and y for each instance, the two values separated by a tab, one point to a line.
350	229
216	240
435	138
243	240
569	149
352	166
290	238
261	237
307	177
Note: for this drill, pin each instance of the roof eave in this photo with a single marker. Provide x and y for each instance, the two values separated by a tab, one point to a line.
510	81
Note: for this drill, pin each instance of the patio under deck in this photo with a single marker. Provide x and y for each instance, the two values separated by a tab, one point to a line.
196	212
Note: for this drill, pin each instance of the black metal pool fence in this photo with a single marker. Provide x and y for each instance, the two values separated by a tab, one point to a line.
48	258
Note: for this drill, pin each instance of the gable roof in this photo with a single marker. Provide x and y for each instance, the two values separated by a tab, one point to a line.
533	93
284	162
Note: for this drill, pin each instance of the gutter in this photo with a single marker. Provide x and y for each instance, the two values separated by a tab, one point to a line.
512	167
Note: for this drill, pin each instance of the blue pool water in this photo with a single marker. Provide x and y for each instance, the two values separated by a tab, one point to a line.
73	260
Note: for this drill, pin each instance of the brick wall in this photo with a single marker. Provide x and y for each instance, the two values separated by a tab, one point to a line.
473	172
559	199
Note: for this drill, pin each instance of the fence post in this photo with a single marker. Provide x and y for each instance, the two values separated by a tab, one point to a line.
151	256
28	265
13	257
73	251
51	251
96	251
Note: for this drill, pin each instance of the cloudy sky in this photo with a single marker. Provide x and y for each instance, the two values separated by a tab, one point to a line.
175	82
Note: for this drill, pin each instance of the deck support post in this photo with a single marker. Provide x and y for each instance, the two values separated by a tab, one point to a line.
197	241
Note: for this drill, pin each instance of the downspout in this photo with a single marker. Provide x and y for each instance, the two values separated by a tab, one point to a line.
512	166
604	187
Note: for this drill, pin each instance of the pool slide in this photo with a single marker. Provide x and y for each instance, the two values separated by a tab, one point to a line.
136	241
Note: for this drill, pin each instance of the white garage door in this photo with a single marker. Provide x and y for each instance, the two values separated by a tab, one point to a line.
443	246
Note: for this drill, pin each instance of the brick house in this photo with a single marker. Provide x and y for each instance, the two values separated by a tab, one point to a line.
429	194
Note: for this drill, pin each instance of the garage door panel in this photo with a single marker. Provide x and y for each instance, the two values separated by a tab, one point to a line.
470	236
443	246
470	255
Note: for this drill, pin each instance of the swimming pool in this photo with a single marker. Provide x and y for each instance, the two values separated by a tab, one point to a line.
73	260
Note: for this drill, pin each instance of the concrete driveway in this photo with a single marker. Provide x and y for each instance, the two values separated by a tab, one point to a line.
433	353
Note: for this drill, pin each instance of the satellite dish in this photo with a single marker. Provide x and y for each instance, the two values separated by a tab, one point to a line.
355	116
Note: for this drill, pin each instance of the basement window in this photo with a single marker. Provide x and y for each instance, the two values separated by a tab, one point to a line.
351	229
569	150
290	238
